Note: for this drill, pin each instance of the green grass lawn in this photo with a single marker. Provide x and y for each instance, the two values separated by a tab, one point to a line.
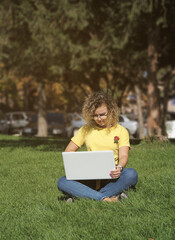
29	206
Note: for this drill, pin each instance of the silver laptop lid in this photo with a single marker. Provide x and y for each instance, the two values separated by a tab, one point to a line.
88	164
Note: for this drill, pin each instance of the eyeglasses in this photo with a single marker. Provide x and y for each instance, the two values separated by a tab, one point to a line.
102	116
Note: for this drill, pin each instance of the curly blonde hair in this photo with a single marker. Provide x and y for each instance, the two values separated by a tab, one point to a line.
95	100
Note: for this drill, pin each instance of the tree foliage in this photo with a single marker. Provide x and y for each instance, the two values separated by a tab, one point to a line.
90	45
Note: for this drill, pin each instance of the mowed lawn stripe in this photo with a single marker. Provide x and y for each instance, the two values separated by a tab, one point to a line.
30	208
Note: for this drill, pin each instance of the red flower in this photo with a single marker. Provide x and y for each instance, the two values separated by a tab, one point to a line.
116	138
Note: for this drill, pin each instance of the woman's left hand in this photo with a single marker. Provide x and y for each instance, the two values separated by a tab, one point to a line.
115	173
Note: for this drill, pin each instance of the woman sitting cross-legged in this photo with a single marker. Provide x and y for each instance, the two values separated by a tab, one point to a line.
102	132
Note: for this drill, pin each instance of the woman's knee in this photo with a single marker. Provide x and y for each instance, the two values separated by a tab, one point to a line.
60	182
132	175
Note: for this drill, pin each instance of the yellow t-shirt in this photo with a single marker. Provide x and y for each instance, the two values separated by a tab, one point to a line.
100	139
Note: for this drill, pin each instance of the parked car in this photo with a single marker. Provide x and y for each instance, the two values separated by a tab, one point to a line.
75	121
13	122
130	125
170	125
56	124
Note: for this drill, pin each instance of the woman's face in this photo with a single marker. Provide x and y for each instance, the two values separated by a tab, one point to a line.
100	115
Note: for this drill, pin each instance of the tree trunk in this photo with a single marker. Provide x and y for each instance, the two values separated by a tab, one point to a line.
42	122
140	114
25	96
154	123
165	101
154	112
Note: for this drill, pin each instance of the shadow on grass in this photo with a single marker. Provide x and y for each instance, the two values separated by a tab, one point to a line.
41	144
44	144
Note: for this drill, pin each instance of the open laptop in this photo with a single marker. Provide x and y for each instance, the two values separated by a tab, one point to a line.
88	165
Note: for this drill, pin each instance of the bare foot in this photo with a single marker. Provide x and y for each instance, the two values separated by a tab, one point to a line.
111	199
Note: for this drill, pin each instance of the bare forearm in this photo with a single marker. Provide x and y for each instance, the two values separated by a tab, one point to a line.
123	156
123	161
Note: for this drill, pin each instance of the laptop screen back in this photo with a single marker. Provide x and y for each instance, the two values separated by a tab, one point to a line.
88	164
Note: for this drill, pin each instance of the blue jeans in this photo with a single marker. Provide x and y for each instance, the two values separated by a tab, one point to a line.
128	178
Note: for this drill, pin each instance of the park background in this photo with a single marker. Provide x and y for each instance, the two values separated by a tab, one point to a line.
53	53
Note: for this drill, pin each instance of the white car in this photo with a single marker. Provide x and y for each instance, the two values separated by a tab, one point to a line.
130	125
75	121
170	125
13	122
